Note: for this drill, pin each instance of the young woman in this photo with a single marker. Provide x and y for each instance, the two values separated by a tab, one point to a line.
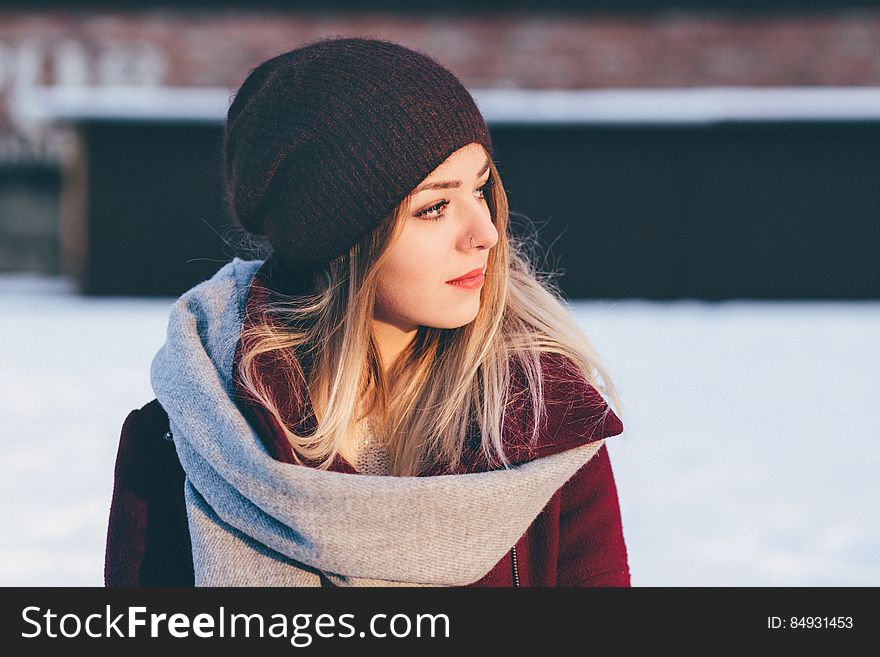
394	396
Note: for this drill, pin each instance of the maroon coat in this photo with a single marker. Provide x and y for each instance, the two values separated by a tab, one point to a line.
576	540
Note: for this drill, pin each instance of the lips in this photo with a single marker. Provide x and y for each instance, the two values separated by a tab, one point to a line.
473	273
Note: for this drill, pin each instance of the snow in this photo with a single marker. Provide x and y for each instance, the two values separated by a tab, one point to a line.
749	457
511	105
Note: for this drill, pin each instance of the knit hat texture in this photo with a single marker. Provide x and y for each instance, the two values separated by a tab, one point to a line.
324	141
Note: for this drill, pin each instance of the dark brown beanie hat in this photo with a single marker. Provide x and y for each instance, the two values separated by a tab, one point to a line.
322	142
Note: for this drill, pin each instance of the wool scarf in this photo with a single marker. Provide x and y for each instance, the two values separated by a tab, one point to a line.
256	521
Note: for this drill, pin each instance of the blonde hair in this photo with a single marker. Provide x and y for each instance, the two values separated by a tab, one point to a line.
442	381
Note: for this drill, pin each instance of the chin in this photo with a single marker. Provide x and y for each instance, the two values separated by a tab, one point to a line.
453	323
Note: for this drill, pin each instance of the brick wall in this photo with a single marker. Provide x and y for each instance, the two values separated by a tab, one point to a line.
200	48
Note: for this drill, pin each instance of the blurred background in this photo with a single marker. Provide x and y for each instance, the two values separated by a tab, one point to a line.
702	175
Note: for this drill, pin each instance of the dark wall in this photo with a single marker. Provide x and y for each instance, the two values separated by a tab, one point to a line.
759	211
29	217
154	211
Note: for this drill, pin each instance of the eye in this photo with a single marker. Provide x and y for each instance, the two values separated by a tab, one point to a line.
485	187
431	213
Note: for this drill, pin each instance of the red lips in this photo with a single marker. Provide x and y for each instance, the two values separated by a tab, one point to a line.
470	274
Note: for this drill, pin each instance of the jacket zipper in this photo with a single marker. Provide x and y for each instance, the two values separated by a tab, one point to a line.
515	568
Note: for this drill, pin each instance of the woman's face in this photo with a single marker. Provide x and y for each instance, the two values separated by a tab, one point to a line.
435	246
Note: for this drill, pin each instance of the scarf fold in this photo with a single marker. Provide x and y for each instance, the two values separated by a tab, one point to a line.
256	521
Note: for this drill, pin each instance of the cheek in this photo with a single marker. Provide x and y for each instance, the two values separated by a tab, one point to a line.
417	261
407	282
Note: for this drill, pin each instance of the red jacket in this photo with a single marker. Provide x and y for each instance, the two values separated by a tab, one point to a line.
576	540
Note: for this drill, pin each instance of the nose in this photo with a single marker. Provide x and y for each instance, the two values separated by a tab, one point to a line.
482	229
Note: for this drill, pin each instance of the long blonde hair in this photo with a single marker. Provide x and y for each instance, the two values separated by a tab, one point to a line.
444	379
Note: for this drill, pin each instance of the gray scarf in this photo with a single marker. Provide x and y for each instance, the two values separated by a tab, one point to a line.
256	521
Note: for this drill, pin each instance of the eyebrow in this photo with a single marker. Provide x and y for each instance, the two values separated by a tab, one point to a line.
448	184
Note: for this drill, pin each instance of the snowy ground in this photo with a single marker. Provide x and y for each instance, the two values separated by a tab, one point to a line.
750	456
